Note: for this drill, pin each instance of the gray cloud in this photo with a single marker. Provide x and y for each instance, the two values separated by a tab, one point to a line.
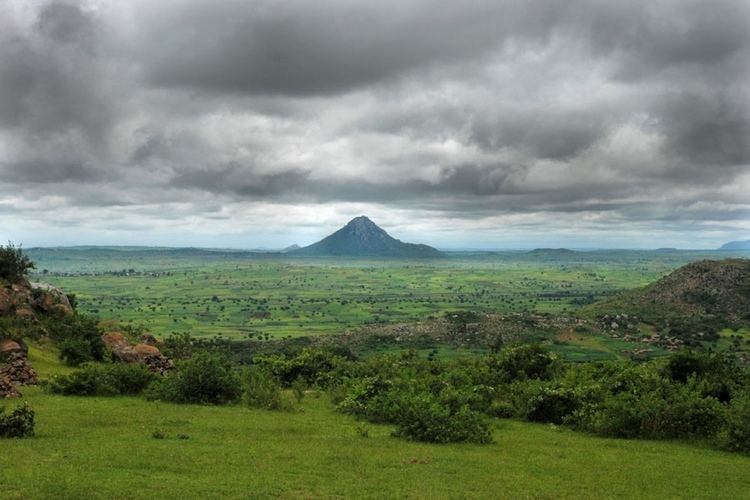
595	114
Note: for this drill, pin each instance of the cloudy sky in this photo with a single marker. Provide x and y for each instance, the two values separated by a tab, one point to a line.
477	124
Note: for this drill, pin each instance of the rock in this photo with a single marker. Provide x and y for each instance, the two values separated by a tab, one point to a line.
148	339
51	299
18	370
6	301
7	389
143	354
24	312
8	346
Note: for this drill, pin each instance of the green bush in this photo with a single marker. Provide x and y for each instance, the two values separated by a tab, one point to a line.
681	413
425	418
528	361
14	264
17	424
555	403
316	367
263	391
79	339
203	379
735	435
103	380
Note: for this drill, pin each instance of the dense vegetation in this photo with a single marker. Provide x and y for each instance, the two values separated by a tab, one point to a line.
14	263
684	396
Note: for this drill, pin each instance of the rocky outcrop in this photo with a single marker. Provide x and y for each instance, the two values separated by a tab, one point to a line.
17	369
8	346
7	389
144	354
25	300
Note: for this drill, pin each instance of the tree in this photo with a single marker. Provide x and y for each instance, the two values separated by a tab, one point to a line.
14	264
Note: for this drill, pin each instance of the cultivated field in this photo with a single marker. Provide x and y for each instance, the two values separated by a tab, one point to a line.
238	295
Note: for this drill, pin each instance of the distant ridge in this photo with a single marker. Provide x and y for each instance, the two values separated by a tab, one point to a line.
736	245
361	237
552	251
291	248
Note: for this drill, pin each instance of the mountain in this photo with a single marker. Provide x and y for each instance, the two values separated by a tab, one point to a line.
291	248
363	238
736	245
717	289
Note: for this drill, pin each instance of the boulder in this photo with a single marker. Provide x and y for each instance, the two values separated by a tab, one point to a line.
8	346
148	339
143	354
18	370
24	312
7	389
51	299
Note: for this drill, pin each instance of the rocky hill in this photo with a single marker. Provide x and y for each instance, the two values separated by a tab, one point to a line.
363	238
736	245
719	290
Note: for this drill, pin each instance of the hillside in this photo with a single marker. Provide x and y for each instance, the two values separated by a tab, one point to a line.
700	290
363	238
736	245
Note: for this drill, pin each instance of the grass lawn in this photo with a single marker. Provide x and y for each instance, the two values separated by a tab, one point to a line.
104	448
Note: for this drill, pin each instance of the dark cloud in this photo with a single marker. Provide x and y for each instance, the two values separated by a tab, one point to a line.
590	113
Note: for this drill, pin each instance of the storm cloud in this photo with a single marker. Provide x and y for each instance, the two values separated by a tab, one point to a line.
483	124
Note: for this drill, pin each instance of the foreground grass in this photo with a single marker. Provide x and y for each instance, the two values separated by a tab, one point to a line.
104	448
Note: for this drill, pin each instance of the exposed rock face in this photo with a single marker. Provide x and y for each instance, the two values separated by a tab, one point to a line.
148	339
144	354
17	369
7	389
8	346
25	300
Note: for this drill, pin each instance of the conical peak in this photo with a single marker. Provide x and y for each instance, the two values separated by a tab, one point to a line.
361	220
362	223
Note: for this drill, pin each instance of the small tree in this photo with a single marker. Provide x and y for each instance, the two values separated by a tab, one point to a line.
14	264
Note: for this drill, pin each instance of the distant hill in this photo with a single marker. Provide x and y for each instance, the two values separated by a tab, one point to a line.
718	289
736	245
363	238
552	251
291	248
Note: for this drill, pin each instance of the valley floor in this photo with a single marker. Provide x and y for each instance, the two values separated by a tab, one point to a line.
105	448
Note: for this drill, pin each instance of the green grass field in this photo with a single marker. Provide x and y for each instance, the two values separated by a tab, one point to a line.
241	297
104	448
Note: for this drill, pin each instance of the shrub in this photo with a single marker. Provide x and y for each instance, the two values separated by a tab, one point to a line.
17	424
555	403
313	366
103	380
529	361
14	264
735	435
263	391
681	414
80	340
425	418
75	351
202	379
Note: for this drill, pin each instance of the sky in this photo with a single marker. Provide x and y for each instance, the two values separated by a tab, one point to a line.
477	124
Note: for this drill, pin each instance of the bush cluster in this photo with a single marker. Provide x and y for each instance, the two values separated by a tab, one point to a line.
103	380
79	339
203	379
18	423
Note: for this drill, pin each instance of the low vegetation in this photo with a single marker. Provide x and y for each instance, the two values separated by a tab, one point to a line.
18	423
